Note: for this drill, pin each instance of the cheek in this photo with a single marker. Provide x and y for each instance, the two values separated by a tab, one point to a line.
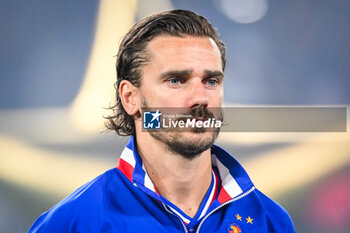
216	98
156	97
173	100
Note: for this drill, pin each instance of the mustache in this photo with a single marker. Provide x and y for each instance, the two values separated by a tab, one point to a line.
202	113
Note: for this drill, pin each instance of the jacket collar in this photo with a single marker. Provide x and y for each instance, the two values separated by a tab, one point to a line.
234	179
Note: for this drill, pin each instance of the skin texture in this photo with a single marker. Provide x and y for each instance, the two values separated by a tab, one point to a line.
182	72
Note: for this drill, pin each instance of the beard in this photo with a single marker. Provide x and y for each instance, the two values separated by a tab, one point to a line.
191	144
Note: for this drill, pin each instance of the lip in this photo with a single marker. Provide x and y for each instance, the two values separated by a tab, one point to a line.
201	119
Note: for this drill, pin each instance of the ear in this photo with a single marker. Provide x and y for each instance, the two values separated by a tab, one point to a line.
129	97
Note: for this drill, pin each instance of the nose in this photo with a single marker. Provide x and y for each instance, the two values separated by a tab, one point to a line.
197	95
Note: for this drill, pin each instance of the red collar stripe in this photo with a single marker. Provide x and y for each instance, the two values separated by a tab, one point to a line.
229	186
127	163
216	187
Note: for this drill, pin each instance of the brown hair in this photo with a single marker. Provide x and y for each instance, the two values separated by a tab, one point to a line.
132	54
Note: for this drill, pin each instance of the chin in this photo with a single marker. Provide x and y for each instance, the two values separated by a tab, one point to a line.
188	145
199	135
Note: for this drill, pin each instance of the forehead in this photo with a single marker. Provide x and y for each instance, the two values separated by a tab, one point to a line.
184	52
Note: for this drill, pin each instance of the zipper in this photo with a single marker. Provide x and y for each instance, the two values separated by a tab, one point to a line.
226	203
183	225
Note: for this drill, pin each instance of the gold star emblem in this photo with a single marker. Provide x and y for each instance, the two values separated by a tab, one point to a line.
238	217
249	220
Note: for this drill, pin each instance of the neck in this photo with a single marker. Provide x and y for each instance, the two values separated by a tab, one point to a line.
182	181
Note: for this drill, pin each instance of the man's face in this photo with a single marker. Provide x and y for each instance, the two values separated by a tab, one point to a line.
184	72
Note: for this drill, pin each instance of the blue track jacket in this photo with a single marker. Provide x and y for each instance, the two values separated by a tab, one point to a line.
124	199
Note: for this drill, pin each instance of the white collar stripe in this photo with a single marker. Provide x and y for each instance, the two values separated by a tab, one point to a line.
128	156
187	221
148	182
210	199
227	181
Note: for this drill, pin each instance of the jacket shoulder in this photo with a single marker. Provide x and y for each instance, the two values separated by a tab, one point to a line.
64	216
275	213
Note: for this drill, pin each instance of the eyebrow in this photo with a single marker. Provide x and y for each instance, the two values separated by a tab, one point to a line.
176	73
213	73
184	73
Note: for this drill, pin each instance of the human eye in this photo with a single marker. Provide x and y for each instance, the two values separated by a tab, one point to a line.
212	82
174	81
